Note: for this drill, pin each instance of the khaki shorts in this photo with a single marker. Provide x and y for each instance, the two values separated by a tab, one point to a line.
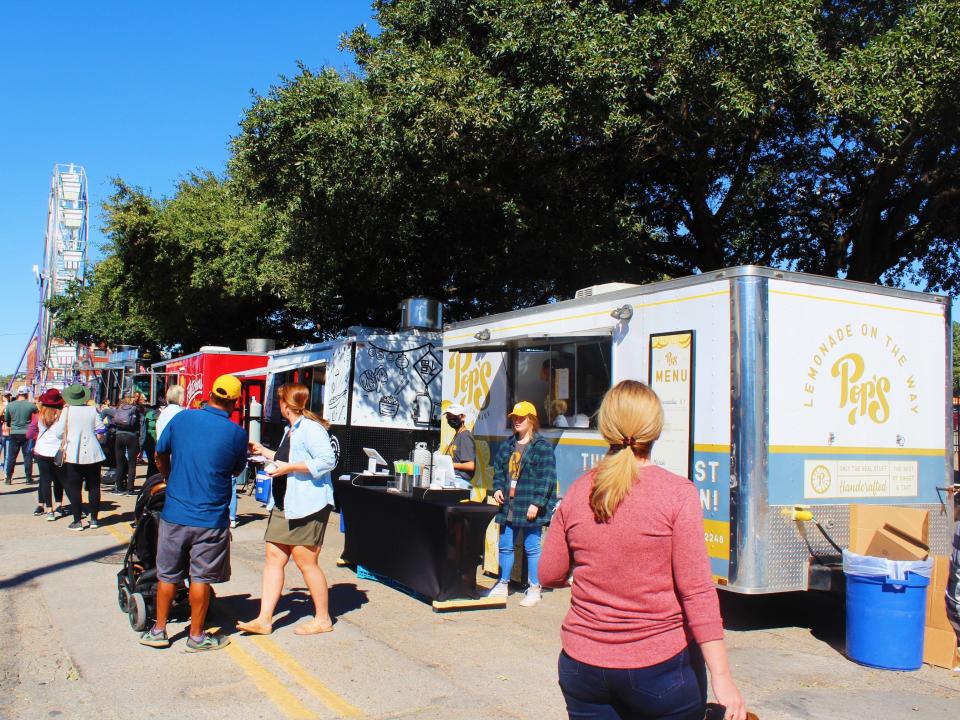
201	554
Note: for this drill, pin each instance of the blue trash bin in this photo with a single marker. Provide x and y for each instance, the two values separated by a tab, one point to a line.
885	611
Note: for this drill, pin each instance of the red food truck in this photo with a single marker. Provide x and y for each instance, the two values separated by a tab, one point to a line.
197	371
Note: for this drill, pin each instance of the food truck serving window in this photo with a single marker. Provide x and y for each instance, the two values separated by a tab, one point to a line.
565	382
314	377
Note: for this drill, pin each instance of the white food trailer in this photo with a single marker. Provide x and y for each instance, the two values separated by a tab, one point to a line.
378	388
783	392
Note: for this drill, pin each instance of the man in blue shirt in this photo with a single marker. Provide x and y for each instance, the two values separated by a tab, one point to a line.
198	453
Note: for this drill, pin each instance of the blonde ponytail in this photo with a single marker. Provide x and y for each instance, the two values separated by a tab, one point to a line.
630	420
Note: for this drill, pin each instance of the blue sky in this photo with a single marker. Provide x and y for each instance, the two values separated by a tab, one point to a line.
144	91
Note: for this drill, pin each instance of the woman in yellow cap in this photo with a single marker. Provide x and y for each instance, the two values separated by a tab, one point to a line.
525	485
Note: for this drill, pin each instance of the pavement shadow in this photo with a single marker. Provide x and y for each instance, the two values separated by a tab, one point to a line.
21	490
294	605
821	613
118	518
244	518
34	573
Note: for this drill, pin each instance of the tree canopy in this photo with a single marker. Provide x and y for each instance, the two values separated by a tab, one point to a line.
501	153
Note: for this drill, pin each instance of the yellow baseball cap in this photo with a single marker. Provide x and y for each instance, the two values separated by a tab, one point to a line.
226	387
522	409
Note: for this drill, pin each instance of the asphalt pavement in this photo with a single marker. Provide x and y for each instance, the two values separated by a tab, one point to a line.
67	651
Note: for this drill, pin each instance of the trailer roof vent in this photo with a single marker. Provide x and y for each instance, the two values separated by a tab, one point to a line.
603	289
421	313
214	348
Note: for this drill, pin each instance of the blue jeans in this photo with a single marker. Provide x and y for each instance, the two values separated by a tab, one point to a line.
675	689
16	443
531	546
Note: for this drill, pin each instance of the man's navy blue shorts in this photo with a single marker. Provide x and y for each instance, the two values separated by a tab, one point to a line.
201	554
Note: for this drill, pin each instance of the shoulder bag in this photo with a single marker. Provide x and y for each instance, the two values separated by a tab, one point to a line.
61	455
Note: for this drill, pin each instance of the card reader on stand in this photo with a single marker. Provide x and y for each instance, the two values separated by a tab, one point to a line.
374	461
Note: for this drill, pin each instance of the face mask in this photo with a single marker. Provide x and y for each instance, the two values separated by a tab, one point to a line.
454	422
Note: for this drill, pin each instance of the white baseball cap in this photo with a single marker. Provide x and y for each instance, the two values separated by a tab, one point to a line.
455	409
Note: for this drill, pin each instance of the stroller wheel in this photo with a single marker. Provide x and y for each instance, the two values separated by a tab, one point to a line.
137	612
123	598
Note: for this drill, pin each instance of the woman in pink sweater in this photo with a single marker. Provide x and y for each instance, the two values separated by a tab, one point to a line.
644	617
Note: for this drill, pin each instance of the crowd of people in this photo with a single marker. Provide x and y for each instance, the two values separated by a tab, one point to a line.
639	639
68	438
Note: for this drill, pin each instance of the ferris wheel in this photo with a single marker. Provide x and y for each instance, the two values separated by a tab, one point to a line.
64	261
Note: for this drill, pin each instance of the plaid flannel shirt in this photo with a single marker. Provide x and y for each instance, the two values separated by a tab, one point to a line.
537	484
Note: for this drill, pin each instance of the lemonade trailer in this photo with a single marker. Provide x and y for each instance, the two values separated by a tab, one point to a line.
785	395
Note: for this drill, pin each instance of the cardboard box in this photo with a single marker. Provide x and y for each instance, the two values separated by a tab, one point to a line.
936	600
866	520
940	648
939	639
887	543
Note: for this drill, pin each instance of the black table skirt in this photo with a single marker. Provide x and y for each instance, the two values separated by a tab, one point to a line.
430	542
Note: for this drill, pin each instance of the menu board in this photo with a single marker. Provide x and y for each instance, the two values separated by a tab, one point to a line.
671	377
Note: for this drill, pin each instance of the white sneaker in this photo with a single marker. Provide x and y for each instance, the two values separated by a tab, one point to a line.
498	590
233	524
531	597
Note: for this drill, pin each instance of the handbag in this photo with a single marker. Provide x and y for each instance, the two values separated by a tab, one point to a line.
61	455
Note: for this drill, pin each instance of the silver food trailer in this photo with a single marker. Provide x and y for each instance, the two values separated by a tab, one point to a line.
785	395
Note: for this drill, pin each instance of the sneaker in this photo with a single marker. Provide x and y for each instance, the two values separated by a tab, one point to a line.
118	491
152	639
94	525
531	597
501	589
233	524
60	512
207	642
39	511
78	526
51	516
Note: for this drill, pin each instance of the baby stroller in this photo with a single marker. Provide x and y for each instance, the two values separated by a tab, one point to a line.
137	580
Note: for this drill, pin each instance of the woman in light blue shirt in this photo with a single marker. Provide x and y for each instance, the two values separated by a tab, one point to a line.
299	507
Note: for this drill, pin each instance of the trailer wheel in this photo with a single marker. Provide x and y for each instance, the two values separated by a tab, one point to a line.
137	612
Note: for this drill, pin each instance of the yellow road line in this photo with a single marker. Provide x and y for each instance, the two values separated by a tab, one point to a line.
327	696
121	537
268	683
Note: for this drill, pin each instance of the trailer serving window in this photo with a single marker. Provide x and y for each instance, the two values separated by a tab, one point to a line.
314	377
565	381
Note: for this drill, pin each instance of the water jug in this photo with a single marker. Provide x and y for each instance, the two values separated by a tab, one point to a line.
422	457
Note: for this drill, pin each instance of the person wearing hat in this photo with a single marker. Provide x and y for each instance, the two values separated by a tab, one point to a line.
45	449
462	447
82	454
525	486
198	453
17	415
